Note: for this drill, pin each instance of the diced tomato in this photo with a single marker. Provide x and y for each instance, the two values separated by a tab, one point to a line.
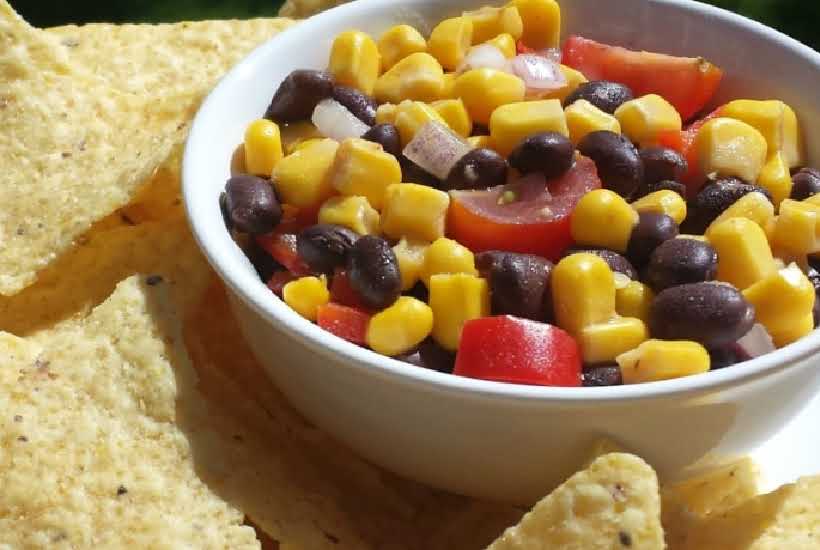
520	351
539	225
520	47
345	322
282	246
342	293
295	219
693	178
672	139
688	83
278	281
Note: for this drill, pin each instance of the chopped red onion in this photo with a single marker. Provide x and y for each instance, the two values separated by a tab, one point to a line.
550	53
484	56
435	148
756	342
335	121
539	73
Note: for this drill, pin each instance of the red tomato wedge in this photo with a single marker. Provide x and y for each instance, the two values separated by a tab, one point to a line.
520	351
345	322
282	246
342	293
688	83
684	143
278	281
537	223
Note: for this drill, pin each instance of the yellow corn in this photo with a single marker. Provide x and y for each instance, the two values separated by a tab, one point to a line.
363	168
386	113
456	298
418	76
295	133
304	144
574	79
662	360
643	118
782	299
398	42
794	332
399	327
792	146
448	90
483	142
814	199
263	147
353	212
447	256
505	44
354	61
450	41
753	206
744	255
583	292
603	342
729	147
410	255
455	115
483	90
583	118
490	22
701	238
411	116
767	117
663	202
603	218
511	123
305	295
634	300
414	211
542	22
303	177
776	179
797	229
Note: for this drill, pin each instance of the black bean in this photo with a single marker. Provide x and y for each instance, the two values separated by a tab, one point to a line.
251	204
479	130
419	292
617	160
720	358
651	230
223	209
605	95
478	169
713	199
550	153
606	375
385	135
615	261
262	261
374	271
662	163
325	246
361	105
413	173
681	261
430	355
298	95
805	184
518	282
663	185
713	314
815	310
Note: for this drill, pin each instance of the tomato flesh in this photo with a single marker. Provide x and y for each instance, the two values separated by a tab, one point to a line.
278	281
343	293
282	246
537	224
345	322
519	351
688	83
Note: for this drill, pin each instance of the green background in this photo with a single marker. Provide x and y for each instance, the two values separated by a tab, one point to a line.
799	18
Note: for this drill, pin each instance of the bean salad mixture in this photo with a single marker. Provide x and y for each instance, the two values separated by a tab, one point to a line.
491	203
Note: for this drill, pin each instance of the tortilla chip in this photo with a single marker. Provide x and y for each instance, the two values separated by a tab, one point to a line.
306	8
92	456
718	489
74	149
612	504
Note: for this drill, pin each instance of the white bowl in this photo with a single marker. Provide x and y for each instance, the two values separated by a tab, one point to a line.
481	438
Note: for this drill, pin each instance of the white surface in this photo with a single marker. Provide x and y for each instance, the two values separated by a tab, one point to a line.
485	438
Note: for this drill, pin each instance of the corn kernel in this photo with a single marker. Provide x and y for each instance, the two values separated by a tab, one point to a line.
792	146
814	199
418	76
753	206
794	332
483	90
296	133
574	79
386	113
303	177
414	211
400	327
490	22
782	299
583	292
644	118
363	168
263	147
455	115
448	90
353	212
797	229
511	123
603	342
354	61
663	202
305	295
603	218
450	41
744	255
701	238
776	179
304	144
481	142
411	116
583	118
447	256
398	42
729	147
455	299
410	255
662	360
542	22
634	300
765	116
505	44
